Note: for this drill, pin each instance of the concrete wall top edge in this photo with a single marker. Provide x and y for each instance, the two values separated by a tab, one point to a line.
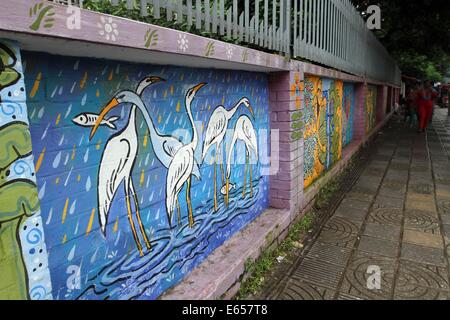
116	33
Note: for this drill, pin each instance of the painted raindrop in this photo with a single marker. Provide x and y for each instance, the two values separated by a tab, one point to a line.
86	156
83	100
61	141
57	160
71	253
72	207
41	112
50	214
94	256
67	159
42	191
68	111
88	184
68	177
54	92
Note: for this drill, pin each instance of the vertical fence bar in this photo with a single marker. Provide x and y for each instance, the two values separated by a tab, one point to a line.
266	23
229	27
295	27
300	22
207	16
180	11
288	28
235	19
247	20
130	4
274	23
156	9
144	12
222	17
198	14
282	26
256	21
241	27
169	10
314	28
214	17
189	12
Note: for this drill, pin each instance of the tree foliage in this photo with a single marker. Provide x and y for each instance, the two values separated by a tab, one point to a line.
416	33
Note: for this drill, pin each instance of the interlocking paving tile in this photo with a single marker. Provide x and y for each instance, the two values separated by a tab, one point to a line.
418	293
445	218
364	190
444	206
335	234
355	194
424	221
399	166
319	273
378	246
422	254
393	193
302	290
356	284
421	188
386	216
386	232
332	254
341	226
415	274
343	297
423	239
374	172
446	228
362	204
355	215
389	202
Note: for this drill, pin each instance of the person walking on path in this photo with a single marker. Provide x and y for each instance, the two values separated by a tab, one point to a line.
411	118
426	96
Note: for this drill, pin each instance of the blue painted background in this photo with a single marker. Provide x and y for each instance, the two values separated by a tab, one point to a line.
348	106
85	265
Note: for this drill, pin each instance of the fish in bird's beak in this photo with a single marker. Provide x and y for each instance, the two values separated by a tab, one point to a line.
199	86
111	105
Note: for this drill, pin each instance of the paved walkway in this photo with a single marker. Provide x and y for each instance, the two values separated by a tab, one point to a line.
395	218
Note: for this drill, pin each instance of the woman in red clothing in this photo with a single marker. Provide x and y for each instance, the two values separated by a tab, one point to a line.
426	96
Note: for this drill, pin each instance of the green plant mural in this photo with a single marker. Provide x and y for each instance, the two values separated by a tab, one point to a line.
42	14
151	38
18	191
209	50
8	75
245	55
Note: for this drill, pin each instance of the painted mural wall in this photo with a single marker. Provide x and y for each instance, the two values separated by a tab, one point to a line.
348	105
134	193
323	113
23	254
370	105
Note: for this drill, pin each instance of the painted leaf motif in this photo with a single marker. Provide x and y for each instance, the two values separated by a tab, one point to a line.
18	198
8	76
16	142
